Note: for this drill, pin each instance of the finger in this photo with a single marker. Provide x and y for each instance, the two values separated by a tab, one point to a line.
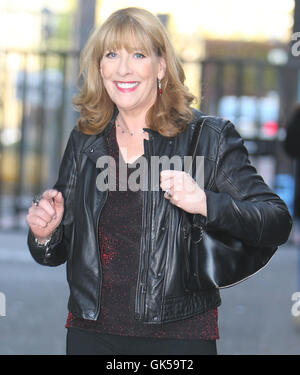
44	214
167	196
176	183
36	211
49	194
167	180
176	177
175	201
183	182
39	212
36	221
190	184
170	173
59	199
166	184
169	193
179	182
166	175
47	206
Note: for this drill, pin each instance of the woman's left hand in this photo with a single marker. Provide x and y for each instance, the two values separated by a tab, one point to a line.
183	191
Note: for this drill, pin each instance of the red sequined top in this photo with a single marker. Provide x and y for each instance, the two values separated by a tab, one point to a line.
119	239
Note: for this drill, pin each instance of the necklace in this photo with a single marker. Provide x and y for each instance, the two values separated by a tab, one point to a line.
128	131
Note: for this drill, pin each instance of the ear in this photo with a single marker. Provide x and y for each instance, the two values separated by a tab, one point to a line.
161	68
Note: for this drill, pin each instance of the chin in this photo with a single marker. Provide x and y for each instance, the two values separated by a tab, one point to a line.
126	106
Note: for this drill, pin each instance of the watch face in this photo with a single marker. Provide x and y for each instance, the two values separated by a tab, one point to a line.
42	244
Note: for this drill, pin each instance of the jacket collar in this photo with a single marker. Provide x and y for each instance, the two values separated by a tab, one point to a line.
97	139
95	146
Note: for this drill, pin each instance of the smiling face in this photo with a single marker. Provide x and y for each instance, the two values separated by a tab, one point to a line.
130	77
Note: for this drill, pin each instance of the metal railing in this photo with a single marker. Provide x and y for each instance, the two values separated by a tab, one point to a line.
254	87
36	116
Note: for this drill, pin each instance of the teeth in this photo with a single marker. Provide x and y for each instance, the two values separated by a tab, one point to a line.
124	85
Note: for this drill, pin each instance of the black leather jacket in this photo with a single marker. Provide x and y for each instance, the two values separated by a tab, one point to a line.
238	202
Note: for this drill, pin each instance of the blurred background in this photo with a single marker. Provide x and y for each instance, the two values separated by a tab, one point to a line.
240	60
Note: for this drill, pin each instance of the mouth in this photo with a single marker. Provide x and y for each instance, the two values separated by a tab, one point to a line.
126	86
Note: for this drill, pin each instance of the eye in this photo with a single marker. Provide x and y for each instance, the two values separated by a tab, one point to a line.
139	55
110	54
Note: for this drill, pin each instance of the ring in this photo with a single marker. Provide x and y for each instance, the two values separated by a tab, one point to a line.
168	192
36	200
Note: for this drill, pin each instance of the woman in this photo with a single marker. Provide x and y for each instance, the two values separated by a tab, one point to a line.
125	247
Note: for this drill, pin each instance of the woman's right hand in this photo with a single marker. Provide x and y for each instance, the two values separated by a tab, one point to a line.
46	217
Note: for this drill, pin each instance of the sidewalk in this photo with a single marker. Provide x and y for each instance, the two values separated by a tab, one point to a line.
255	317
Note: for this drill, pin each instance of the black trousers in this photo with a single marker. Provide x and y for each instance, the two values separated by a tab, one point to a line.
83	342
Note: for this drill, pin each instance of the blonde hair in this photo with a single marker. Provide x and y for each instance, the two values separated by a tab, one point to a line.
171	110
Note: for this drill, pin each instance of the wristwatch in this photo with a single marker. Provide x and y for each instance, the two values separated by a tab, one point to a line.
46	243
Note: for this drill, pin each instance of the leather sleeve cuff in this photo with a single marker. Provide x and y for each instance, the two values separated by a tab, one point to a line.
216	204
42	253
55	238
200	220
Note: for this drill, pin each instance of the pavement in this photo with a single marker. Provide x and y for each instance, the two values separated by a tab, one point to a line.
255	317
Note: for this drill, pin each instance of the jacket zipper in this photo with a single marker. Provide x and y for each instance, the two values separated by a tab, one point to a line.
99	255
77	169
163	298
141	284
144	250
185	250
98	250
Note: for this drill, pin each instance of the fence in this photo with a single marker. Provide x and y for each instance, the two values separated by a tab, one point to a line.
35	118
258	98
247	91
36	115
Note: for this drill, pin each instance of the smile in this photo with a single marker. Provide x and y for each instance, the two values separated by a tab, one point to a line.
126	86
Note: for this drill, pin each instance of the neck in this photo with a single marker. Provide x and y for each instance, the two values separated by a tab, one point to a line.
132	120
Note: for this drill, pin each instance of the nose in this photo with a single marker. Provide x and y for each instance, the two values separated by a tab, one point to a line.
124	66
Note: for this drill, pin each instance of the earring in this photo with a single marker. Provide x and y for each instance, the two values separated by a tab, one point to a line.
159	86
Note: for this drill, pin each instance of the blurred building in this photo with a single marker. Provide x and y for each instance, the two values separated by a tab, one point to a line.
36	40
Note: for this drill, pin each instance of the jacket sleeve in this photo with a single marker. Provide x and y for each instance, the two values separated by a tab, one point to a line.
57	251
242	204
